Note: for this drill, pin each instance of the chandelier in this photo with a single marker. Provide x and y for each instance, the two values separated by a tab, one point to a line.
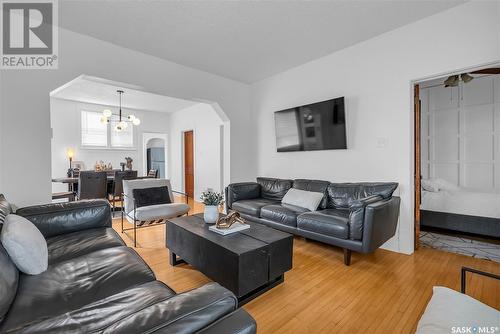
122	121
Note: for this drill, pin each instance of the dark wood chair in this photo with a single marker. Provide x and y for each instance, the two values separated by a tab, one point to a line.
70	195
116	193
92	185
153	173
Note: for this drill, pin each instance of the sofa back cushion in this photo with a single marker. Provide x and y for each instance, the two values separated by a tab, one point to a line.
5	208
313	185
273	189
342	195
9	277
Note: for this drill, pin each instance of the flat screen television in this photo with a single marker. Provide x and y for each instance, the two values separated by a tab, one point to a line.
316	126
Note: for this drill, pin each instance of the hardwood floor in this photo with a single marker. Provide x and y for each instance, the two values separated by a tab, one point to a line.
384	292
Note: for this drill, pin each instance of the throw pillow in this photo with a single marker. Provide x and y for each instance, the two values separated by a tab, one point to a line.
151	196
305	199
25	245
429	185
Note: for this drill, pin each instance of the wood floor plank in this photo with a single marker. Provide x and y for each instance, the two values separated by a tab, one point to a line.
383	292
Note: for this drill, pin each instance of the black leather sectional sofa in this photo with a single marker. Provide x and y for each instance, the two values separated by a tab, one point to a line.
358	217
95	284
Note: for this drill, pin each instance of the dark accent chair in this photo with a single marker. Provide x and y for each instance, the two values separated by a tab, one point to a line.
358	217
95	283
116	193
92	185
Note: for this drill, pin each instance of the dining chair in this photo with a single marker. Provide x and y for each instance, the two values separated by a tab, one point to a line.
153	173
92	185
116	193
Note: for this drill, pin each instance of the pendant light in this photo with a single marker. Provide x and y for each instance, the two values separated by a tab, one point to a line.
122	121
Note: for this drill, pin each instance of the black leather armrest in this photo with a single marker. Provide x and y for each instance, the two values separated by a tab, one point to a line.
239	191
357	215
187	312
238	322
380	223
61	218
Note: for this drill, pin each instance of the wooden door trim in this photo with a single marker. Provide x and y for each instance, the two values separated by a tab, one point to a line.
417	159
188	189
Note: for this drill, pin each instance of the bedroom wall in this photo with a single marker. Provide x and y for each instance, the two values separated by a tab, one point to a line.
461	133
25	149
375	77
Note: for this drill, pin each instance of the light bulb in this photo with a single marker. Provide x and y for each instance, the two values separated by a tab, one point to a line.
131	117
123	124
118	127
104	120
136	121
107	113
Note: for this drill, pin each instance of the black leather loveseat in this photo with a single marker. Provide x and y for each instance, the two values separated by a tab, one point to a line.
355	216
95	284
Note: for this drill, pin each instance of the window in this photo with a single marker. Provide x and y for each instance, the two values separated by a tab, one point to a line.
124	138
94	133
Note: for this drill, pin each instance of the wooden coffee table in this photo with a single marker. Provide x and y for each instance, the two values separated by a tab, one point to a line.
248	263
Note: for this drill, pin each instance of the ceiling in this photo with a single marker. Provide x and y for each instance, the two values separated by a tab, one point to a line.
243	40
94	90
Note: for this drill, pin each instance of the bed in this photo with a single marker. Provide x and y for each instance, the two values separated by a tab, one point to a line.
461	210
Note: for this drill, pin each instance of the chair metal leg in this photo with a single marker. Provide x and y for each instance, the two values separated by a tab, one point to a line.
122	217
135	233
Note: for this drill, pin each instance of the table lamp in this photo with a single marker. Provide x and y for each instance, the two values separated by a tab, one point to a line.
70	153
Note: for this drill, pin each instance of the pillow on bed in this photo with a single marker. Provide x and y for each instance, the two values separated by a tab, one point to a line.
430	185
435	185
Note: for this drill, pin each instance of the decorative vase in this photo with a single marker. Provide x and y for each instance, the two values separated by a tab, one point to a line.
211	214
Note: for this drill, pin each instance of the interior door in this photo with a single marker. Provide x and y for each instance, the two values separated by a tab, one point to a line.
417	111
189	163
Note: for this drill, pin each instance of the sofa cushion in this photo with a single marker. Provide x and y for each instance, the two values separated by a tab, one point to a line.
252	206
342	195
330	222
9	277
99	315
69	285
273	189
25	244
5	208
313	185
282	213
159	211
68	246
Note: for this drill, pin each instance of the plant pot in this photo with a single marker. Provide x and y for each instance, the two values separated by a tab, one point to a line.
211	214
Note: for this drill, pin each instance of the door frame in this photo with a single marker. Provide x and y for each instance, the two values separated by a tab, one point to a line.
147	136
416	144
183	160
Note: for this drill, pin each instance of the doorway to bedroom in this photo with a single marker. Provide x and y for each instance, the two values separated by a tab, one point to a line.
457	163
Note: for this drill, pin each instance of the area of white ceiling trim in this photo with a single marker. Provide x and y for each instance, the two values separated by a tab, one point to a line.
243	40
88	89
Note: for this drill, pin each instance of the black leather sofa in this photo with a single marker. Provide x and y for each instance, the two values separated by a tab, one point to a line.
358	217
95	284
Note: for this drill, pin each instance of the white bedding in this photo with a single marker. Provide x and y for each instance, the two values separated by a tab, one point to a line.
462	202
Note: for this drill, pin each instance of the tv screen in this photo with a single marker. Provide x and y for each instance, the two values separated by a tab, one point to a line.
317	126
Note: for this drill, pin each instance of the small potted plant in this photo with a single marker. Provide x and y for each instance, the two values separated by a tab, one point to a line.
212	201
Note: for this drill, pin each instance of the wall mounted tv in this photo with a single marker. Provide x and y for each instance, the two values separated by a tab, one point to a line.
316	126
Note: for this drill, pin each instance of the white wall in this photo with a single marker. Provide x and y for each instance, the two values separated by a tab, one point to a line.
206	126
375	78
25	153
461	133
65	118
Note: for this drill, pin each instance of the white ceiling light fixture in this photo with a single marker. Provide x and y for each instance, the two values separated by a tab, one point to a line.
122	121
